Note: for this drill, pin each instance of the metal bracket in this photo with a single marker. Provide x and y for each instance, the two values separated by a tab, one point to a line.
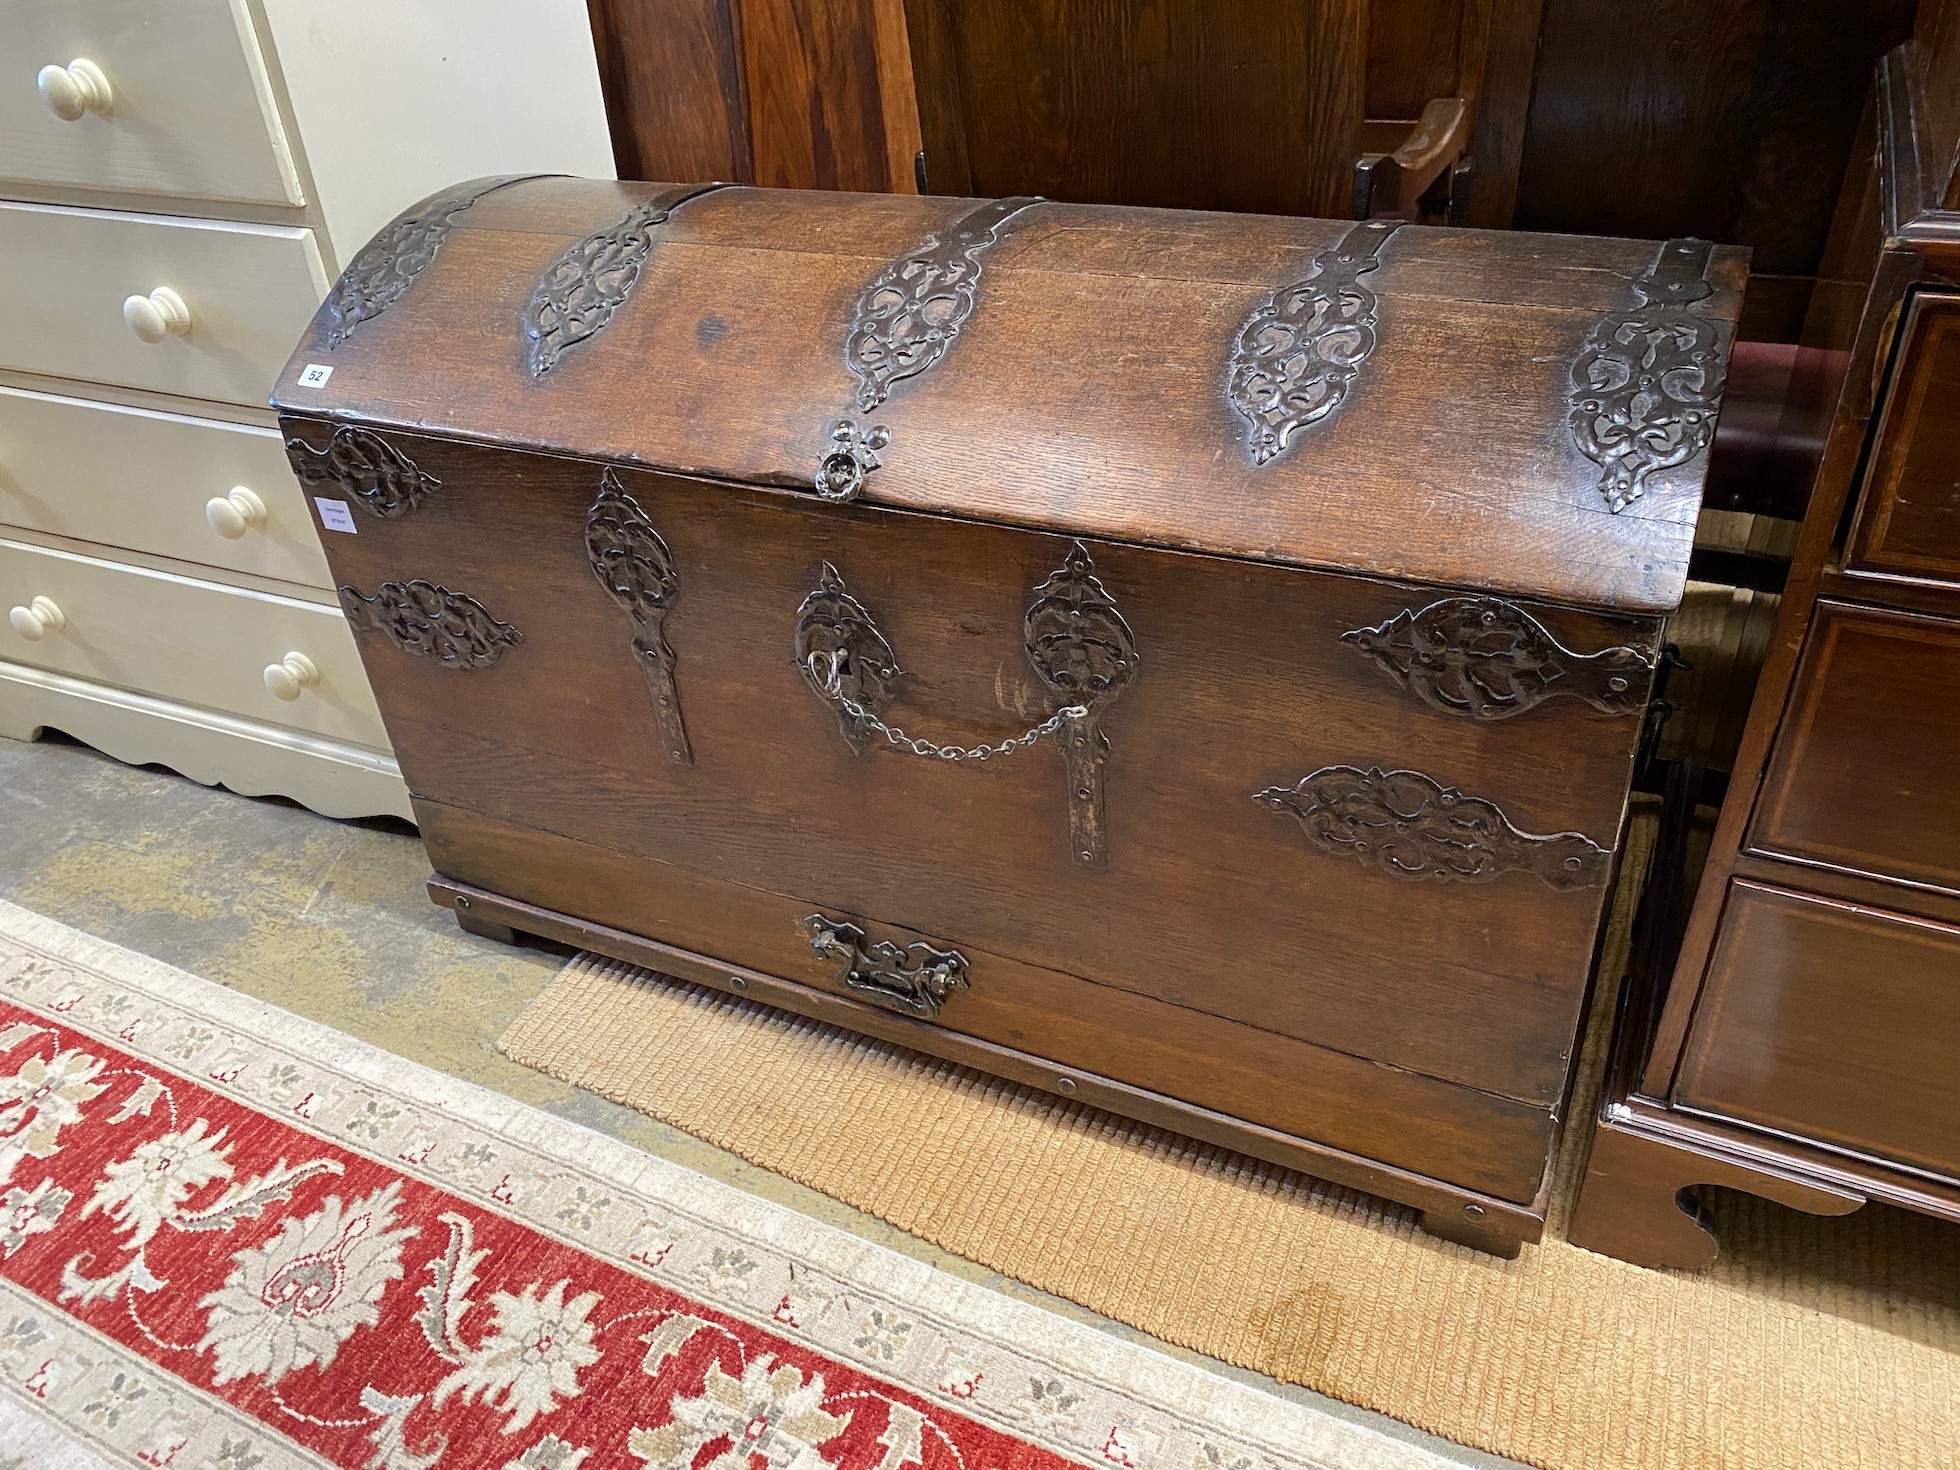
365	466
903	323
1299	353
1085	653
430	621
1413	826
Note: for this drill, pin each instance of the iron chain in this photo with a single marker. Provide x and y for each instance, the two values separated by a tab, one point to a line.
833	688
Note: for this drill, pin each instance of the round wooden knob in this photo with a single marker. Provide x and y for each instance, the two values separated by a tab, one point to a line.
293	673
74	89
157	315
231	516
38	619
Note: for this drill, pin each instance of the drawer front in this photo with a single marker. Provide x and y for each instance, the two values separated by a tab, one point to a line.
132	478
1862	776
189	108
1832	1022
196	642
1908	521
65	274
1205	896
1432	1128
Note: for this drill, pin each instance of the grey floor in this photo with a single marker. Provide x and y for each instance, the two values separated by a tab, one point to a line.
329	919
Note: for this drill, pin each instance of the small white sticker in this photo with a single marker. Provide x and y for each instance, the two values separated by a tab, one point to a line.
315	375
335	515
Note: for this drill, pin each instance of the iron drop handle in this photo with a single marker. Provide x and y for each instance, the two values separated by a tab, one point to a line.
914	981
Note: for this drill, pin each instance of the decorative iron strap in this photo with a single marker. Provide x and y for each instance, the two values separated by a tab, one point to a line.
914	981
904	323
367	467
1487	659
431	622
1413	826
633	564
845	658
911	314
580	290
1074	637
387	266
1299	353
1647	386
1085	653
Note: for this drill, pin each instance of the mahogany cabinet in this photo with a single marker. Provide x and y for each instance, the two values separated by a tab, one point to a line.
1807	1046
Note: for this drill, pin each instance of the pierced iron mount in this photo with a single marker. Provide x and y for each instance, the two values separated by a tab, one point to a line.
1074	637
914	981
904	321
1410	825
1648	384
632	562
1482	658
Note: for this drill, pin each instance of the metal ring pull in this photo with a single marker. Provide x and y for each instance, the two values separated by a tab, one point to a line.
840	474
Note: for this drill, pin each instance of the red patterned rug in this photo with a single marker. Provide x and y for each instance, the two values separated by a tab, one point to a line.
232	1239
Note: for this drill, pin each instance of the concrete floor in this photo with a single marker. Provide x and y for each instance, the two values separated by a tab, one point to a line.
329	919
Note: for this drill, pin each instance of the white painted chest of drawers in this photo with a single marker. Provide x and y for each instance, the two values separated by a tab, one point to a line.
180	182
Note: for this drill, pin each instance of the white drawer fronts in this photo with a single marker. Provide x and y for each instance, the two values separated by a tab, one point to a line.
147	481
66	275
138	95
200	643
178	181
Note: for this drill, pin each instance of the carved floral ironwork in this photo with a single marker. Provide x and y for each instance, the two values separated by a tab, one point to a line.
431	622
1298	354
1648	385
367	467
1083	650
914	981
1487	659
842	653
1074	637
387	265
912	312
1413	826
635	566
579	292
903	323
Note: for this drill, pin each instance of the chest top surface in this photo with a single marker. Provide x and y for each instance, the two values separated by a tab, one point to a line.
1507	412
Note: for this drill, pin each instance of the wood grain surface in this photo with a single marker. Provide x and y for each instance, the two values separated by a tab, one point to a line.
1208	899
1782	1041
1085	393
1230	104
1863	776
1909	516
675	101
1455	1134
